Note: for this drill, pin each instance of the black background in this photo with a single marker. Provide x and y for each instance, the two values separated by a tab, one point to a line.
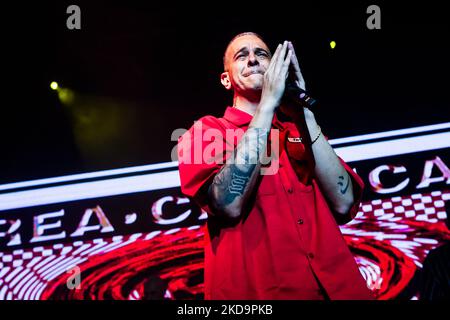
139	70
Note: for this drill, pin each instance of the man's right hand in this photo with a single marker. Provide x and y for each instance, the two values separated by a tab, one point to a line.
235	181
275	77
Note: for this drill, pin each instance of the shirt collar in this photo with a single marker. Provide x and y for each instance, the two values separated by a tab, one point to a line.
241	118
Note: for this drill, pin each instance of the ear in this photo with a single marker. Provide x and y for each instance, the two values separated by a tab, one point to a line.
225	79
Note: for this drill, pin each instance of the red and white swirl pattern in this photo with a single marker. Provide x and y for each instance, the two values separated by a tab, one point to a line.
390	238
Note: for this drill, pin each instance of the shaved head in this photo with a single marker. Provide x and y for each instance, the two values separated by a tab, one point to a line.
245	62
225	59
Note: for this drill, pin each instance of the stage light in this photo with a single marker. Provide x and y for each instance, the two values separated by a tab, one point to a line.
332	44
54	85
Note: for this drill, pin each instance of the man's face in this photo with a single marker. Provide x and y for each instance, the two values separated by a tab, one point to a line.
246	61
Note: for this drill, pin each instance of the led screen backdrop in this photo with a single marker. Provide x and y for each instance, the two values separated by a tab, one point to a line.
117	229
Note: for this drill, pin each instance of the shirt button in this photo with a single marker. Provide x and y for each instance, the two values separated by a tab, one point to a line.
300	221
311	255
290	190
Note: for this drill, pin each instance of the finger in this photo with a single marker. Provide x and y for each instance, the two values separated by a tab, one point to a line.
296	66
274	59
277	50
280	58
286	64
294	59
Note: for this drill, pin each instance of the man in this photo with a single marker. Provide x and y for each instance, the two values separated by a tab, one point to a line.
271	236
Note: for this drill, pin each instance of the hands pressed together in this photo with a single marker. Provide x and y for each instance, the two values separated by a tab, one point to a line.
276	74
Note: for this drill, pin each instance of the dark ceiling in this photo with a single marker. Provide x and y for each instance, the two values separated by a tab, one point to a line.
138	71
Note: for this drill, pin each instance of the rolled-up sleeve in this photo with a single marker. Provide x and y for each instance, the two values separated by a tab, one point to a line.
197	169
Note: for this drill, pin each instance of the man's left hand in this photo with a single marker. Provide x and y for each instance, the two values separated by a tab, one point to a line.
291	109
299	81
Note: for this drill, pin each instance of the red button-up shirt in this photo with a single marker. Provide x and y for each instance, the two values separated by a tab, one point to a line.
289	246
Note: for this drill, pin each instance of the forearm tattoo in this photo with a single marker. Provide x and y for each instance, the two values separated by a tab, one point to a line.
238	183
343	189
234	177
